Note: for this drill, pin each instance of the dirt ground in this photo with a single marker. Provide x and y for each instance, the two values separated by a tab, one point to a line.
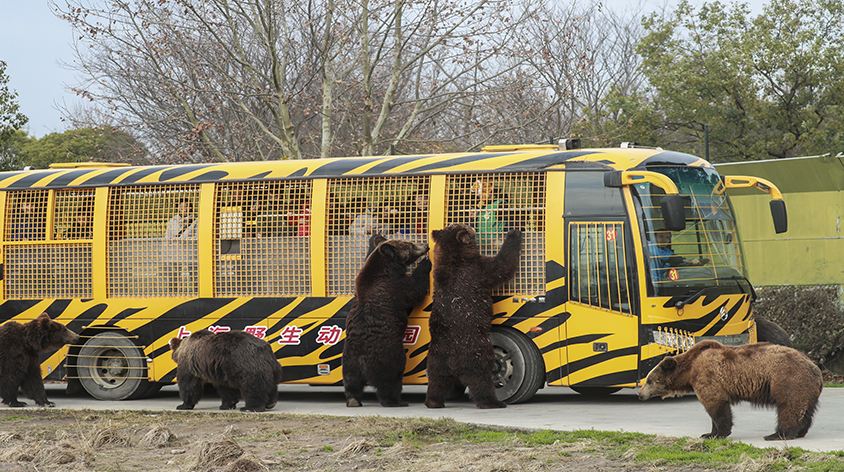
49	440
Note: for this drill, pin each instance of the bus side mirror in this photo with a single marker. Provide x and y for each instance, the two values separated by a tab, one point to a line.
674	212
780	216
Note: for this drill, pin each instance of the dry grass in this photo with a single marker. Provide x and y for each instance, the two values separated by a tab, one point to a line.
137	441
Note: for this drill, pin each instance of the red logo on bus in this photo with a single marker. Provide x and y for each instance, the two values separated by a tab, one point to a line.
611	234
411	334
673	274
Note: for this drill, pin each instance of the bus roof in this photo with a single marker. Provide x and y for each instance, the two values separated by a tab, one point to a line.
514	161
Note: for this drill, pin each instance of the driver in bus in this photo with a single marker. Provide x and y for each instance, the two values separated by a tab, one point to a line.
662	256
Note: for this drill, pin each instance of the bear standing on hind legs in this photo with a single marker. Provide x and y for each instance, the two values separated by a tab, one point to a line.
20	347
394	280
461	316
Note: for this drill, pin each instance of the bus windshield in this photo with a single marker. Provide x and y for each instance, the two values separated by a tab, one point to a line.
706	253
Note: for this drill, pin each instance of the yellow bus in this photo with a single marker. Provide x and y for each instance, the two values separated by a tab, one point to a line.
629	254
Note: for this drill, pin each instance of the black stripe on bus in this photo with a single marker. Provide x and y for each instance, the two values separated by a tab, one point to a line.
691	325
141	174
586	338
723	321
456	161
68	177
544	161
107	177
123	315
210	176
175	172
11	308
616	378
341	166
392	163
29	180
57	307
590	361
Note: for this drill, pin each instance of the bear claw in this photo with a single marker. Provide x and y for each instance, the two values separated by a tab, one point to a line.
17	404
433	404
353	403
47	404
184	407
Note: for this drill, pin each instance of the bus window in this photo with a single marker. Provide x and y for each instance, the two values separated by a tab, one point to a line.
26	215
73	214
152	245
395	207
586	195
35	266
597	265
263	244
495	203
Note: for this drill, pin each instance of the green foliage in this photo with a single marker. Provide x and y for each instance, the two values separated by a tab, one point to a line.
103	144
11	118
768	86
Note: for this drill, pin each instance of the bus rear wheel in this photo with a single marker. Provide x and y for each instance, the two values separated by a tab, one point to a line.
596	392
111	367
519	368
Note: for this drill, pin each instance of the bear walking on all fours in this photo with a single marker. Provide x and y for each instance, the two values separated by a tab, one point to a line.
236	363
20	348
461	316
762	374
393	281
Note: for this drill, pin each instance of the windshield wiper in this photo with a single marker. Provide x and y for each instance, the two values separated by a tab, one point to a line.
680	304
739	279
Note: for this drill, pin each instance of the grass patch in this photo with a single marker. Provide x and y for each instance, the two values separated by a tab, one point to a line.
833	385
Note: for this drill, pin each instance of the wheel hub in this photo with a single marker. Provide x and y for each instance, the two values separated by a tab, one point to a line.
503	369
112	368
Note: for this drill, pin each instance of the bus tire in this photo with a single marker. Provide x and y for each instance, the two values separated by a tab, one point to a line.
595	392
519	368
111	367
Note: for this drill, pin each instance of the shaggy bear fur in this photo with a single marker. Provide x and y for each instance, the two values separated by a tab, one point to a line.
394	280
461	316
763	374
770	332
20	348
238	364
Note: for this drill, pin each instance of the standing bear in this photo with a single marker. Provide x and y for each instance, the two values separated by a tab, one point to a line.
236	363
762	374
461	316
20	348
393	281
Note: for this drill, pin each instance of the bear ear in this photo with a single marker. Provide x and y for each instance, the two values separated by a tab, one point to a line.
436	234
43	319
387	250
669	364
174	343
464	236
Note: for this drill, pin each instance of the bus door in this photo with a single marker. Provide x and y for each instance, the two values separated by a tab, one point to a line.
602	340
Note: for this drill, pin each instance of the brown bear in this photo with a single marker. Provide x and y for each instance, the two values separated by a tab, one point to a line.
20	348
236	363
394	280
763	374
461	352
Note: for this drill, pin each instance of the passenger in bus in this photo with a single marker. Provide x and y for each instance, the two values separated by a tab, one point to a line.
300	221
30	224
181	228
364	223
81	227
662	257
421	212
490	218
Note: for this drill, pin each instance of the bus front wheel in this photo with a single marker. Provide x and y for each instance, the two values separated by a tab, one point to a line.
111	367
519	368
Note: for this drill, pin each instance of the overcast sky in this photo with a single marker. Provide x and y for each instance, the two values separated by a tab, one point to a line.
36	45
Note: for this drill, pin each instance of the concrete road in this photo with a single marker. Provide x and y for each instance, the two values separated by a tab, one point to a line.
552	408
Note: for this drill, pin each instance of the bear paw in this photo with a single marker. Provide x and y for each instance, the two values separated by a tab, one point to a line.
353	403
393	404
713	436
270	406
253	409
227	406
47	404
434	404
489	405
780	437
184	407
16	404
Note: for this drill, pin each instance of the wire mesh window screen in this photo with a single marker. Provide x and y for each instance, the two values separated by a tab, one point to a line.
395	207
26	215
35	271
263	238
598	266
73	214
495	203
34	267
152	245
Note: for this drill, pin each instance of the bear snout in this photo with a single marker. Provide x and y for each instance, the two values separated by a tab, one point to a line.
71	338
